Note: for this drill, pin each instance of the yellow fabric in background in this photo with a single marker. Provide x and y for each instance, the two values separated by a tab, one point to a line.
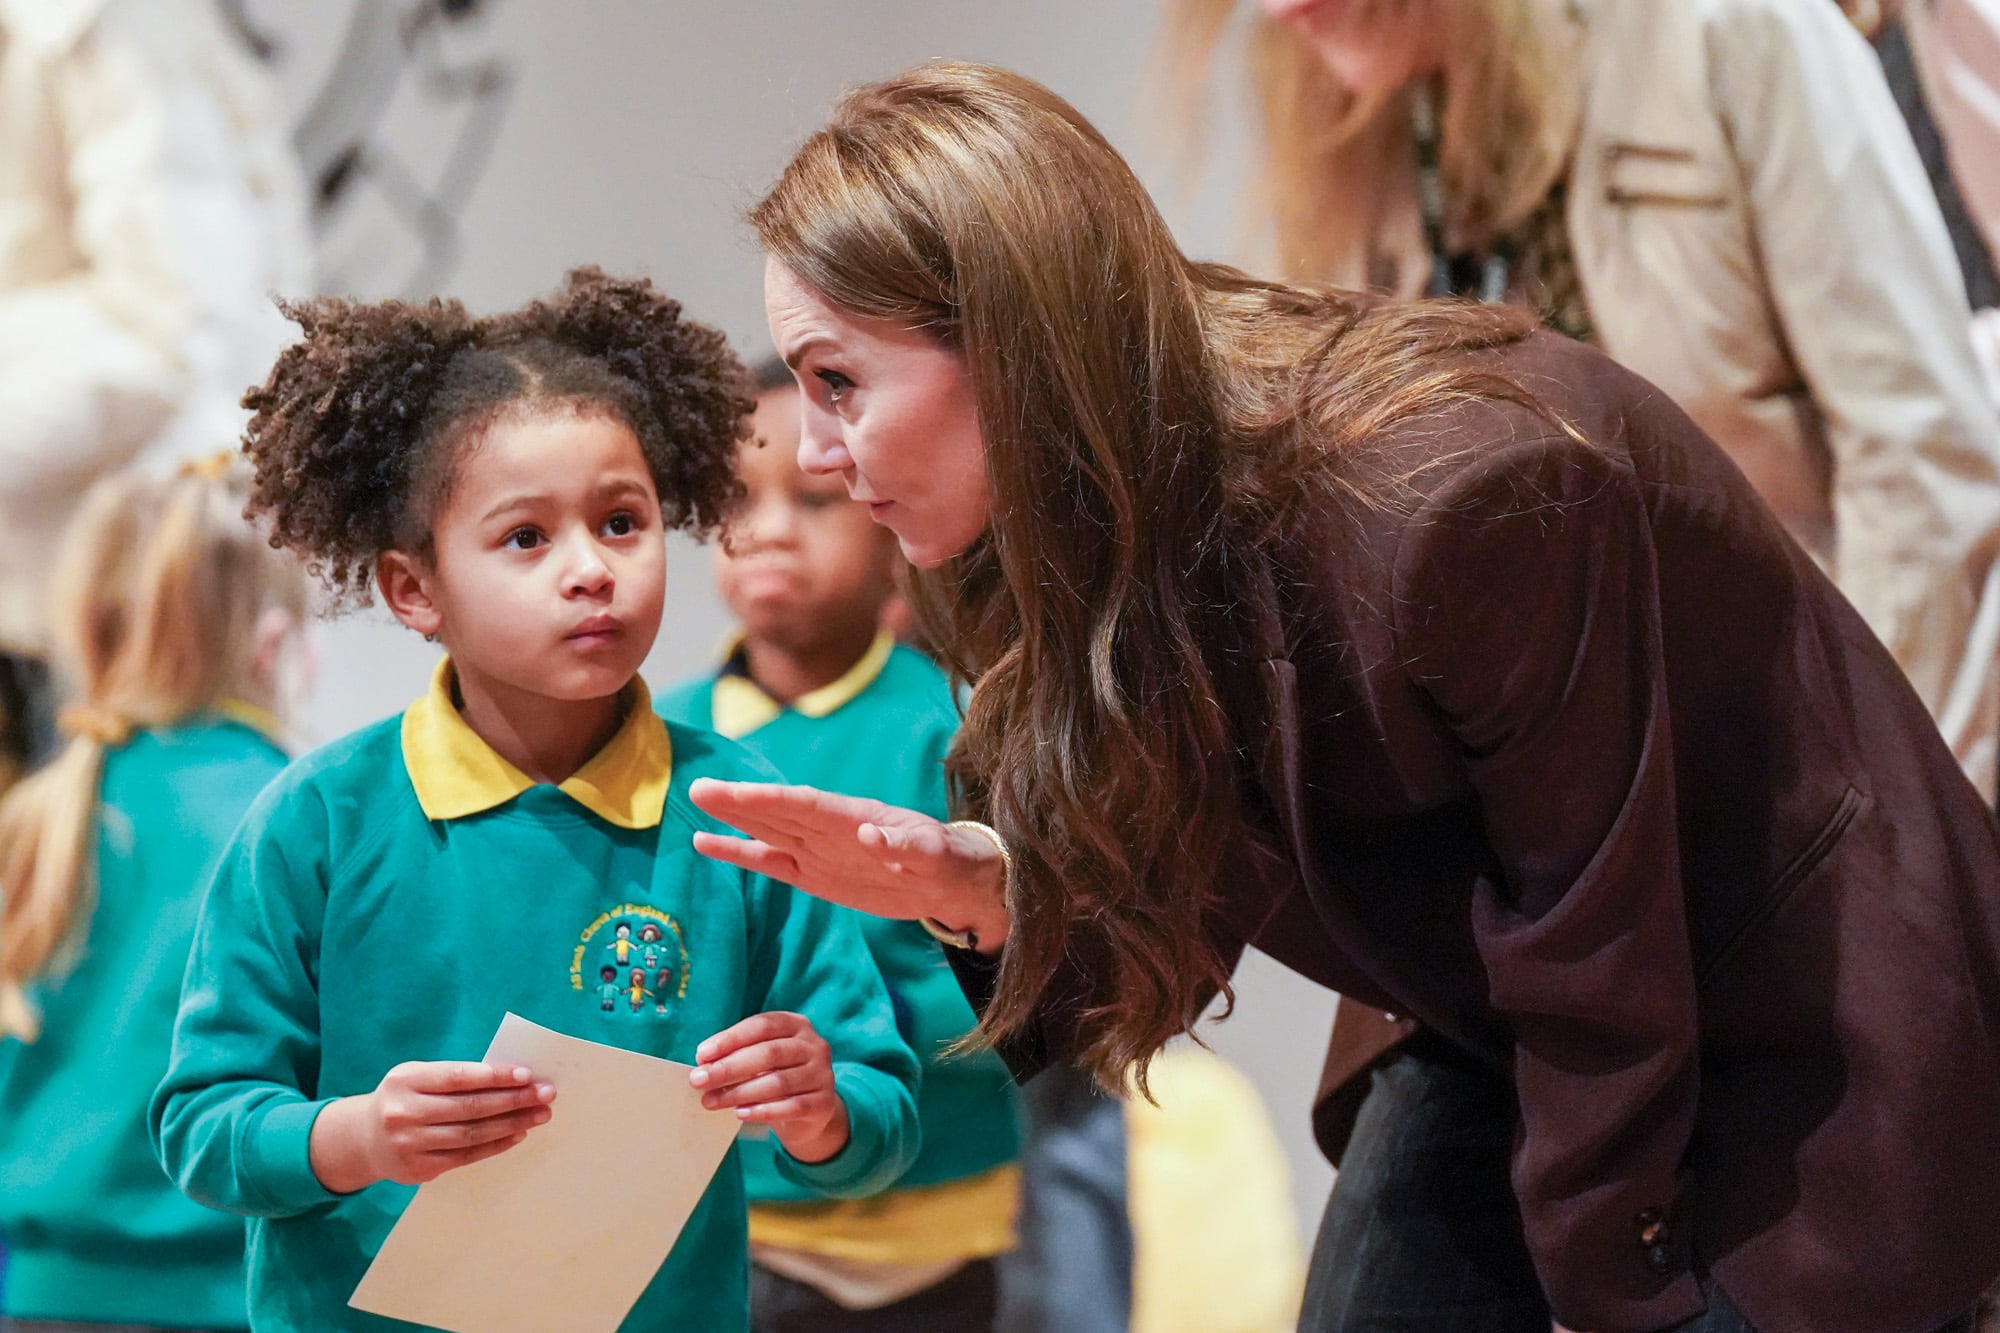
1215	1245
964	1219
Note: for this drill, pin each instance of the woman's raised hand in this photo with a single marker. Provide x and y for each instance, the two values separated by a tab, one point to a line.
863	854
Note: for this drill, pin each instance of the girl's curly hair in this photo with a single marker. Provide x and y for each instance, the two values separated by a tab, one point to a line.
356	435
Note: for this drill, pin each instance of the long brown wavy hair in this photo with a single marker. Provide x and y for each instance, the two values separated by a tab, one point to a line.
1151	425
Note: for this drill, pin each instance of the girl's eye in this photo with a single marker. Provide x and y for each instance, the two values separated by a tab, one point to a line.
836	384
523	539
817	500
621	524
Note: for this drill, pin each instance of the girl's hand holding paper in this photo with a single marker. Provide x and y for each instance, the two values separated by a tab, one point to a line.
424	1119
775	1070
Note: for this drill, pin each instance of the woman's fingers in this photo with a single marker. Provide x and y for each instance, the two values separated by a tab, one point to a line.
757	857
772	810
921	850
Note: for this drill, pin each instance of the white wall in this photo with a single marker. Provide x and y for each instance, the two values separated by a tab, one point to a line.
637	134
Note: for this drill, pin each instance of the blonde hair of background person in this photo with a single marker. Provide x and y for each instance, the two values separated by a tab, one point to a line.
1752	231
166	604
1506	120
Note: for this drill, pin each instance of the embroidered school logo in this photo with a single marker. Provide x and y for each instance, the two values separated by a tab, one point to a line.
633	958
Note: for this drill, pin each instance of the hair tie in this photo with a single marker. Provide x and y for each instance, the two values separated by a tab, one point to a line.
215	467
89	722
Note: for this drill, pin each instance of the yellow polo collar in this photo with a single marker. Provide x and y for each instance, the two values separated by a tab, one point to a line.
740	706
254	716
457	774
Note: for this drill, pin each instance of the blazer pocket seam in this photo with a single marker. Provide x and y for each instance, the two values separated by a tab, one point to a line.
1787	883
1616	152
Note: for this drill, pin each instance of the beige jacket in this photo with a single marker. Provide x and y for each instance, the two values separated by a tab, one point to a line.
148	206
1756	236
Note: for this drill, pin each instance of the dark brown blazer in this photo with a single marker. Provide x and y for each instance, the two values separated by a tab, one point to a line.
1585	765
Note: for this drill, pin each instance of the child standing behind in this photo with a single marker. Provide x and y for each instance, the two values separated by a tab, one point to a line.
816	687
173	618
507	483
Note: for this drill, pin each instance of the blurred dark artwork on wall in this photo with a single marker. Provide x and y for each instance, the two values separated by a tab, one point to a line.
401	102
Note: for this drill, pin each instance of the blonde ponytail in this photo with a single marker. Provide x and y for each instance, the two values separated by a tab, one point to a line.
46	824
159	588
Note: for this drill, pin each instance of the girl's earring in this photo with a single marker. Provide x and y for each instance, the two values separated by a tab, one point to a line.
431	637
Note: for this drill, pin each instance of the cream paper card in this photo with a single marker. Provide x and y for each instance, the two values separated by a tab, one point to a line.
543	1236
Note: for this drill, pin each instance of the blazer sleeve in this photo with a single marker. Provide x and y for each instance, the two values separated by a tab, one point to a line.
1862	279
1527	616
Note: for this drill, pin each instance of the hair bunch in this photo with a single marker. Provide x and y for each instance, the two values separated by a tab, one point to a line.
357	433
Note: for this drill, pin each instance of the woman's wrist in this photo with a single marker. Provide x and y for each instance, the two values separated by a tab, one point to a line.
980	921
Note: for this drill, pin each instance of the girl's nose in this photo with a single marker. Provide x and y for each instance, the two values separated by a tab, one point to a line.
590	573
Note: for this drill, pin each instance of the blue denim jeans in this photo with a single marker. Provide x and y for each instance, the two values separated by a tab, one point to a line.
1072	1271
1422	1234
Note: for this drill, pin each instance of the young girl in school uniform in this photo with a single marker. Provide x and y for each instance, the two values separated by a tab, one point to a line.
177	623
506	484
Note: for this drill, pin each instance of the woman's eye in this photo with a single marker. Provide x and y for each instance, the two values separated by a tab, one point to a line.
621	525
523	539
836	384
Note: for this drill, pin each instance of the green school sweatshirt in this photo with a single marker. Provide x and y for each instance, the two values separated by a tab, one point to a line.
95	1231
394	894
881	732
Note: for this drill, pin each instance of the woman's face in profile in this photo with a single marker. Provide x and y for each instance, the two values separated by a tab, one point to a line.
1371	47
889	410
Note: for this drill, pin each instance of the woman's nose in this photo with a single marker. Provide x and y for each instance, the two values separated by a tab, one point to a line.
821	450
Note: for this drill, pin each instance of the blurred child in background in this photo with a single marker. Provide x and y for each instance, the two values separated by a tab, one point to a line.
816	684
507	484
176	625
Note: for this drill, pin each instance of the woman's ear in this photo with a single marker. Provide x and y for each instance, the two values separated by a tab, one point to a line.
406	583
